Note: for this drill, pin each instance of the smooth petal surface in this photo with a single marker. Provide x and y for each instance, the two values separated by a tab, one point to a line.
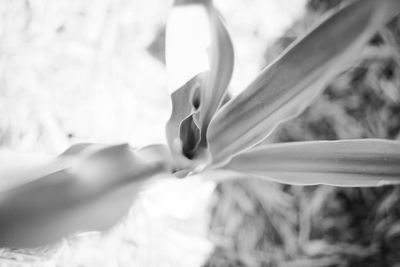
91	189
365	162
289	84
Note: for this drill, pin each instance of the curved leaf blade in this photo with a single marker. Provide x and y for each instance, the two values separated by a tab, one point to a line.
362	162
289	84
221	69
92	191
197	41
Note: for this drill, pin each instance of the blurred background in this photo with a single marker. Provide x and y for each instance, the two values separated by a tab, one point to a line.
93	71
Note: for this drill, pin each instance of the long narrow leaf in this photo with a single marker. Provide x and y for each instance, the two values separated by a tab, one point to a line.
92	191
290	83
222	62
365	162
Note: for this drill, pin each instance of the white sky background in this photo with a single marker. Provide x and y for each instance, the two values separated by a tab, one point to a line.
81	67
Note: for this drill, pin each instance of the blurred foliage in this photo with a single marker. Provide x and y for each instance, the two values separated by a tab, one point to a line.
74	71
258	223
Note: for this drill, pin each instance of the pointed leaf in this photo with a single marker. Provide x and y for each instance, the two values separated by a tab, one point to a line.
91	190
289	84
365	162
